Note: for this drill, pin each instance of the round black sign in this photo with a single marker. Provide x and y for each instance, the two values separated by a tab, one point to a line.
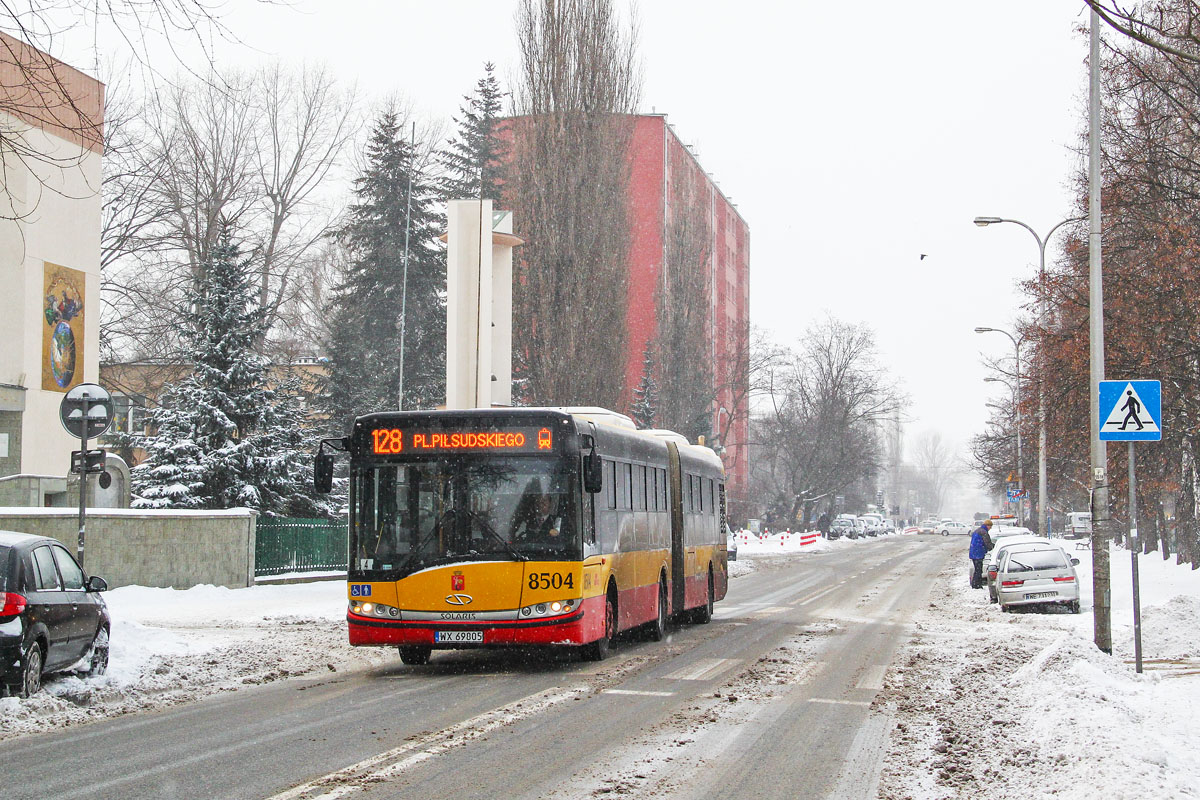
99	410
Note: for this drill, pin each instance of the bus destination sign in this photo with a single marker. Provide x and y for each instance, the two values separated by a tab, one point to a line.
395	441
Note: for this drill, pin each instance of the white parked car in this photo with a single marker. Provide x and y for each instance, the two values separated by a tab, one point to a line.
1032	574
991	562
955	528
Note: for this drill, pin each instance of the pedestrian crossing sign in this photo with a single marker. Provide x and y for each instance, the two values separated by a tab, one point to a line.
1130	411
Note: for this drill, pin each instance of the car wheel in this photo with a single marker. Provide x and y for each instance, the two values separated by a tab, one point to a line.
415	654
1003	608
1075	607
599	649
658	629
31	670
98	662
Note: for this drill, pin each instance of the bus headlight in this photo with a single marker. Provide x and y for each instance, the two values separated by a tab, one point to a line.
374	610
550	609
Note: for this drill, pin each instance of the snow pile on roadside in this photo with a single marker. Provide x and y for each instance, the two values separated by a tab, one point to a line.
1023	704
792	543
787	545
172	646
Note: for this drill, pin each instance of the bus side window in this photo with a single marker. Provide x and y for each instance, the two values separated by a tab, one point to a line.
626	486
662	490
721	506
589	518
610	483
712	506
639	488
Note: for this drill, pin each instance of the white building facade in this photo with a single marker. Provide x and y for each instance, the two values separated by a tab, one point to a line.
51	118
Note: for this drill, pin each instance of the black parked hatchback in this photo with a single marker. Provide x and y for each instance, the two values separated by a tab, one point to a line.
51	615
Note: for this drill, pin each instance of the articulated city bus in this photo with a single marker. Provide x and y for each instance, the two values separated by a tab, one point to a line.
505	527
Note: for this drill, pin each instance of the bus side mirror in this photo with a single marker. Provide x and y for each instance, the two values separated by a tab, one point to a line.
593	467
323	473
593	473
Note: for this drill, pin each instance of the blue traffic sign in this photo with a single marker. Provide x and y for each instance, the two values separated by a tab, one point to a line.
1130	411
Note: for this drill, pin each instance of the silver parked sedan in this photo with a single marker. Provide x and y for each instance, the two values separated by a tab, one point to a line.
1037	573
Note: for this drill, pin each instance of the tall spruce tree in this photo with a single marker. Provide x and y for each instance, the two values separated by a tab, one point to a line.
224	439
365	315
645	396
474	160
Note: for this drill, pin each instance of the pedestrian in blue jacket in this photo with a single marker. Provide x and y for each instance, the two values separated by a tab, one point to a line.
981	544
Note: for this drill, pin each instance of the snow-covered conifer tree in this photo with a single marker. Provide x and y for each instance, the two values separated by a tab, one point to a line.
223	438
645	396
364	341
474	160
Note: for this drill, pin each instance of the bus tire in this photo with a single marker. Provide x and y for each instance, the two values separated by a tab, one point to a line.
599	649
704	614
415	654
658	628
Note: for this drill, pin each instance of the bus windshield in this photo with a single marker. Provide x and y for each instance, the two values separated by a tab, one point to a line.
409	516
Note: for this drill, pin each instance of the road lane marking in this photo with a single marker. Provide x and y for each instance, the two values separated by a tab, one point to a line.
766	612
872	677
832	702
638	692
703	669
377	767
816	596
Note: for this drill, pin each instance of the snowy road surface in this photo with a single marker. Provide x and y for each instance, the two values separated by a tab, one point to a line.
844	670
774	697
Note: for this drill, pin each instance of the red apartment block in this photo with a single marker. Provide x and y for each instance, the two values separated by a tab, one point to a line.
659	160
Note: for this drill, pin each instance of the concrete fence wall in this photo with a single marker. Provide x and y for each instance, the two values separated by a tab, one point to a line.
176	549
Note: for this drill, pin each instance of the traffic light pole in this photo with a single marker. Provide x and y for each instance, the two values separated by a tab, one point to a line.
83	465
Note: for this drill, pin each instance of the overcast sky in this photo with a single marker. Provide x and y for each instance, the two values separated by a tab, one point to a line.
852	138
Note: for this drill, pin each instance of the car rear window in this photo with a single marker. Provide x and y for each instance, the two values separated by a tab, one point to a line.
1029	560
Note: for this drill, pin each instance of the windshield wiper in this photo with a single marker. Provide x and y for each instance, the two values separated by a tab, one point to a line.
487	528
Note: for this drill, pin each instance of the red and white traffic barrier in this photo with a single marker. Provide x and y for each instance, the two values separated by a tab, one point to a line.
809	538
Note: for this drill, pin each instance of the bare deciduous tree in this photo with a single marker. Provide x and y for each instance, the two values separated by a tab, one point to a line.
579	80
250	151
685	346
41	91
819	438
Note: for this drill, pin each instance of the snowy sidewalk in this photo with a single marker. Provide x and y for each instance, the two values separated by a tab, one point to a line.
1023	705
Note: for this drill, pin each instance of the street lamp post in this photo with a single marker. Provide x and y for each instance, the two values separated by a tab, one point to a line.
1016	390
983	222
1017	406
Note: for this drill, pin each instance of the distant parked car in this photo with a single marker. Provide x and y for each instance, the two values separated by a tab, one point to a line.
955	528
929	525
731	544
870	524
843	527
1037	573
1079	525
52	616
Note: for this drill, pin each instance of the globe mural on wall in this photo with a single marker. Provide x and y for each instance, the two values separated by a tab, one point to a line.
63	339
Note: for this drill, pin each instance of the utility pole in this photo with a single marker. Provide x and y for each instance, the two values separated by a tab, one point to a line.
1101	594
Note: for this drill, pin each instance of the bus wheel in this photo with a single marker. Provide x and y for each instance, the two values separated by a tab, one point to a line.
658	629
415	654
598	650
703	614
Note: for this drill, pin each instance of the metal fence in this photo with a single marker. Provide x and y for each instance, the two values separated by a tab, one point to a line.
290	544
